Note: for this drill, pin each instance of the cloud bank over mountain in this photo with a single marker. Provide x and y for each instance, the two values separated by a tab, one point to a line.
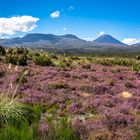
130	41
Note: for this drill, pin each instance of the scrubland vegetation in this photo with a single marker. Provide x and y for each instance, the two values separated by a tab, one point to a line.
48	96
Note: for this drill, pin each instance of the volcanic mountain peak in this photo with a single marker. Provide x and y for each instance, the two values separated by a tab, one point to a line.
107	39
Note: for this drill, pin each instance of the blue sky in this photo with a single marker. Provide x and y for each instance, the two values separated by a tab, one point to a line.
84	18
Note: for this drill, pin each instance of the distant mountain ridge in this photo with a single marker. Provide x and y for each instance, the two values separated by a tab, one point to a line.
104	43
38	37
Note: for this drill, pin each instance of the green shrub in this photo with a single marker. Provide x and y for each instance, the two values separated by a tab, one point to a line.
138	57
22	60
136	67
16	59
2	51
13	59
43	60
61	64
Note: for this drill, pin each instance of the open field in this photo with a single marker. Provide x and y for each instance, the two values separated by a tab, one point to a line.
68	97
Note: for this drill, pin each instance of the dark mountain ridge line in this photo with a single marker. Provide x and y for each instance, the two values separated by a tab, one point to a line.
40	36
104	43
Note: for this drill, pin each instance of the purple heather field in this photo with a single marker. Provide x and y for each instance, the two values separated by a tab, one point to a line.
97	98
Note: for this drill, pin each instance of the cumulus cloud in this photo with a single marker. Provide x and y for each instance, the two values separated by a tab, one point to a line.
13	25
55	14
71	8
101	33
89	39
130	41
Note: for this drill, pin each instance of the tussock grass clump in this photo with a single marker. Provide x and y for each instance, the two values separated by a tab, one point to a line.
12	110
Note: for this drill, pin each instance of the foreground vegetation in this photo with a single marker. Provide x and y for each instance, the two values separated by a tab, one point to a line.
47	96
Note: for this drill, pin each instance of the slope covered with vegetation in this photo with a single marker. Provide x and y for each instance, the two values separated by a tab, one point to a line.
47	96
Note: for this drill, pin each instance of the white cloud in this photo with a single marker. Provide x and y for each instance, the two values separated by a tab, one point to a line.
130	41
89	39
101	33
13	25
64	28
71	8
55	14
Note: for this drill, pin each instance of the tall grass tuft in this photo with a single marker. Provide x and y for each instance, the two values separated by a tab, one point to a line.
11	110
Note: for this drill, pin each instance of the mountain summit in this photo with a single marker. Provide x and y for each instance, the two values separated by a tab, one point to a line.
107	39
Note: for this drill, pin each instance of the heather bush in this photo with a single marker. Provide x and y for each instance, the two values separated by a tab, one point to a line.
79	98
2	73
115	121
101	135
111	82
129	84
58	85
86	66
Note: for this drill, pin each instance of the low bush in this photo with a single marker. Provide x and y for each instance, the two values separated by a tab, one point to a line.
15	59
43	60
2	51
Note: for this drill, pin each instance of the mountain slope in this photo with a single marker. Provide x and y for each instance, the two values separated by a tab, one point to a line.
108	39
136	44
43	39
69	43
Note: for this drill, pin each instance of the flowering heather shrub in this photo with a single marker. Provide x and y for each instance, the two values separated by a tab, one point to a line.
129	84
125	134
101	102
86	66
2	73
79	128
101	135
115	121
74	107
58	85
43	129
